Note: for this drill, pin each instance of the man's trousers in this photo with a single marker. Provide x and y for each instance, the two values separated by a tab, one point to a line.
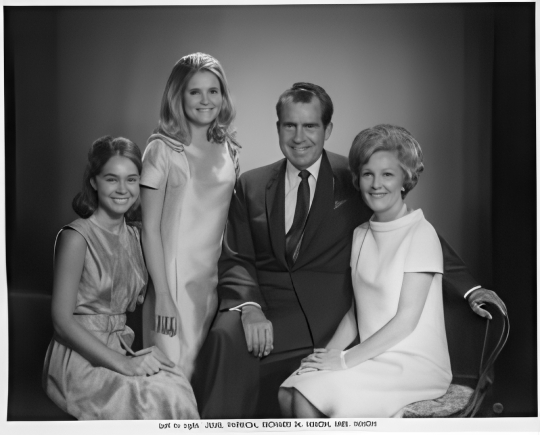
229	382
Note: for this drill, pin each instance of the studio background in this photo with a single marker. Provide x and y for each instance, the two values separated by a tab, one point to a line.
459	77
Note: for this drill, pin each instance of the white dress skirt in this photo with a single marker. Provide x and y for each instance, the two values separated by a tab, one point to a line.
418	367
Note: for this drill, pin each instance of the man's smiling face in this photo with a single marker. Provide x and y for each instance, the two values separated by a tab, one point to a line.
301	132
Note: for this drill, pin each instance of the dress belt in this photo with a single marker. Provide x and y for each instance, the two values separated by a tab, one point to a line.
102	322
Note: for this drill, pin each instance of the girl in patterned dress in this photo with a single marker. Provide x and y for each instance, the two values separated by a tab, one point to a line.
99	273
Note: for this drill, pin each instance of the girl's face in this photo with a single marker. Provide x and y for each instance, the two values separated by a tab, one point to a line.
202	99
381	180
117	186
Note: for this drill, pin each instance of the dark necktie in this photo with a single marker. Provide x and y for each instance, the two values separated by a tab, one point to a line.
294	236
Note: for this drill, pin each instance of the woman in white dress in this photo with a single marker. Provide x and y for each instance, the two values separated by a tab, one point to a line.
397	267
189	170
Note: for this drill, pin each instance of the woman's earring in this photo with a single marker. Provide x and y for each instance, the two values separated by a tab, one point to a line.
403	189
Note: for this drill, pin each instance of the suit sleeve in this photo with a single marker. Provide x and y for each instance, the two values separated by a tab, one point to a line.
236	267
456	278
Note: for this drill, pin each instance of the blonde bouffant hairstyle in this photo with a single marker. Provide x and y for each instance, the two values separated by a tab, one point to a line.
172	119
386	137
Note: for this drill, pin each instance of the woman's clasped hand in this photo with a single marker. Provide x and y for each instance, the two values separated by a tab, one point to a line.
148	362
321	359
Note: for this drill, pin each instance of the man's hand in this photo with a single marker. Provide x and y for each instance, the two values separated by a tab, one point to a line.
481	296
258	330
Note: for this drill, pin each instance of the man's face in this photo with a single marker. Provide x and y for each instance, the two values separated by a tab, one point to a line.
301	133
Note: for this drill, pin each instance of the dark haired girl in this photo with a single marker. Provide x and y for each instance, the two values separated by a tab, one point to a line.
90	370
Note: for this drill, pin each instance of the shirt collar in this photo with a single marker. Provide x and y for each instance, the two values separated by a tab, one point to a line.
292	172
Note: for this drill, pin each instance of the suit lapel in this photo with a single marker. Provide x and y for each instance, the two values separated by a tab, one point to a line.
323	203
275	211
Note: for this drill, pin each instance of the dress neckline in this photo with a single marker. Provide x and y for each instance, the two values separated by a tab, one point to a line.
397	223
93	220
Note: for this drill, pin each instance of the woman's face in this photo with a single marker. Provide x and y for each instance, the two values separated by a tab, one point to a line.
117	186
381	180
202	99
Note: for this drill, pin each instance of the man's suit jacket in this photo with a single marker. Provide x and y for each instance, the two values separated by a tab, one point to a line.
306	302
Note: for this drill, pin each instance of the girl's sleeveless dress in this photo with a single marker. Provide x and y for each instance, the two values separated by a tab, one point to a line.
415	369
113	280
198	188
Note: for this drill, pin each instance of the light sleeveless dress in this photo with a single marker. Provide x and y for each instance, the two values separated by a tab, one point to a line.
113	281
415	369
198	188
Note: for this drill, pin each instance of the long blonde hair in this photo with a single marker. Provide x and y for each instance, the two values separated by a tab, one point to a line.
172	120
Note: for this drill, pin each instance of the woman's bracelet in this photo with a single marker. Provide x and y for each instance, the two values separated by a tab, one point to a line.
342	358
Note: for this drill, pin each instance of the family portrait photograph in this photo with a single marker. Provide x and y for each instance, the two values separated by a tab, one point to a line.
269	217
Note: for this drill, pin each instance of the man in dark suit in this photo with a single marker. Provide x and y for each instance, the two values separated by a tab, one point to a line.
284	274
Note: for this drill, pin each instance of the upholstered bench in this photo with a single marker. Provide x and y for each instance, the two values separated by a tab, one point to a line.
450	405
469	340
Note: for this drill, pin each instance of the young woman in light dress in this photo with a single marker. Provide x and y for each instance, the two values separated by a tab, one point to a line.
397	267
99	273
189	170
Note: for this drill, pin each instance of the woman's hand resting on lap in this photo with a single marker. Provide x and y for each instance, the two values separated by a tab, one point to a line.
148	362
321	359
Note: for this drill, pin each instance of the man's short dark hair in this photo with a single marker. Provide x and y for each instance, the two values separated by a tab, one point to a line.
303	92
